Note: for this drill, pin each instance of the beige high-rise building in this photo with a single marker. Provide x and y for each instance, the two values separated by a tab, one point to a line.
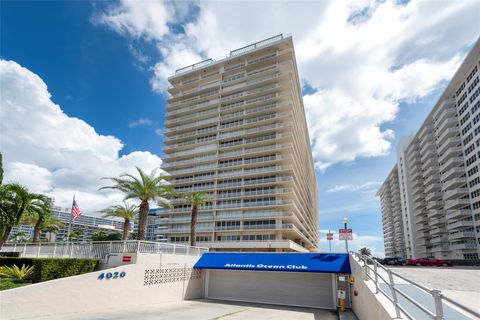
236	129
439	175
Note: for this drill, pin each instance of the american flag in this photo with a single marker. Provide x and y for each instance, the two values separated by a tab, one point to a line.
75	209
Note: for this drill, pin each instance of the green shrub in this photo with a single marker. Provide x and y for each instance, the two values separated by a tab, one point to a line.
11	283
53	268
14	272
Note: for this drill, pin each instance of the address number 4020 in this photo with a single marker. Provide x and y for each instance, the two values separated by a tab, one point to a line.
111	275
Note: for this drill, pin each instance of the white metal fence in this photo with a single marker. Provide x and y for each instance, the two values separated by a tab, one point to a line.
419	303
98	250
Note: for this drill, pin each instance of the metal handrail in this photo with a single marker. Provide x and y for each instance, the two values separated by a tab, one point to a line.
436	294
100	249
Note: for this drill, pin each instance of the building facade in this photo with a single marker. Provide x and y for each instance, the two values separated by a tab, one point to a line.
393	231
86	223
438	174
236	129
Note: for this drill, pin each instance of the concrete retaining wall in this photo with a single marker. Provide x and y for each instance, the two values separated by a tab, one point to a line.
153	279
366	304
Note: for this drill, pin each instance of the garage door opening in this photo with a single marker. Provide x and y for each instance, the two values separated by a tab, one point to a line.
293	279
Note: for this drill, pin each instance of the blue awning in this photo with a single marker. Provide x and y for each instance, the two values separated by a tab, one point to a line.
294	262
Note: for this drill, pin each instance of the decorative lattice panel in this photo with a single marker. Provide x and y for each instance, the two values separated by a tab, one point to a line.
158	276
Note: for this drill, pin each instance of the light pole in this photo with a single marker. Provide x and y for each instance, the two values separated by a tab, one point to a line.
345	222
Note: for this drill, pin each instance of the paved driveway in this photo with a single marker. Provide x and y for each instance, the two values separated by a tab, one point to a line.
458	283
202	310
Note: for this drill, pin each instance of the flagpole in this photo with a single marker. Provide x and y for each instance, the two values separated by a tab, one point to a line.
71	221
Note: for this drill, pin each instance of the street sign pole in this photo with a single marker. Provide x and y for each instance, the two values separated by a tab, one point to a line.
346	240
329	243
329	238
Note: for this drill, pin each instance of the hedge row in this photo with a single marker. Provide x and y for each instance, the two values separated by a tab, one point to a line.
52	268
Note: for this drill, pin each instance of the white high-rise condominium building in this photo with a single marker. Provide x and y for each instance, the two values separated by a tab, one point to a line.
438	176
236	128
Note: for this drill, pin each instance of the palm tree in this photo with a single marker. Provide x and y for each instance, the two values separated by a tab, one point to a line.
365	252
76	234
15	201
38	215
20	237
128	212
145	187
52	226
195	200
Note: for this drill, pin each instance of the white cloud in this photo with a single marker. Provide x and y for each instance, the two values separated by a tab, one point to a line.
367	186
140	122
52	153
363	58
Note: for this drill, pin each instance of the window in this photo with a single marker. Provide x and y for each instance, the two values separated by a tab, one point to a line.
465	118
472	171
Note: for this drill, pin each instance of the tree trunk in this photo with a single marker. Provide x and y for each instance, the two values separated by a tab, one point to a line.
36	233
193	225
5	236
126	228
142	220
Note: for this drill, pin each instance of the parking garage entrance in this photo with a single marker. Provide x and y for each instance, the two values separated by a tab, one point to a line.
293	279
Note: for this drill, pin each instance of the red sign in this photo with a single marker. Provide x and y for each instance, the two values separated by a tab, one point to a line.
329	236
127	259
345	234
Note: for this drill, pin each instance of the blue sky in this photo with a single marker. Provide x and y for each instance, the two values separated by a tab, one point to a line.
106	63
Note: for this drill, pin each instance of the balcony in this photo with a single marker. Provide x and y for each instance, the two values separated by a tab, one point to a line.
436	213
455	193
423	242
426	129
450	132
430	162
432	187
445	113
446	104
415	168
462	235
427	145
449	123
419	205
419	197
440	248
452	152
438	230
454	183
448	143
433	196
413	153
434	204
431	170
432	179
460	225
451	163
429	152
456	204
423	235
438	221
453	173
470	245
459	214
436	240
